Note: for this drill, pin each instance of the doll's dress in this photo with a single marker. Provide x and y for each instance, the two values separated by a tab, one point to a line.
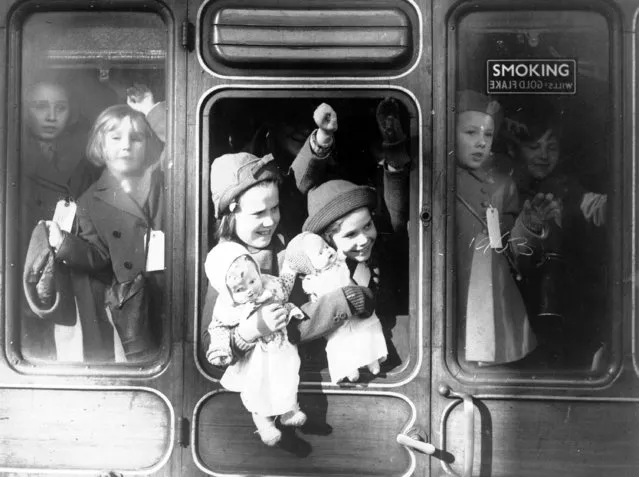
267	377
359	341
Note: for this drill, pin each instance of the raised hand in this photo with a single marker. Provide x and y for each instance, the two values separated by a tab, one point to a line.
541	209
325	118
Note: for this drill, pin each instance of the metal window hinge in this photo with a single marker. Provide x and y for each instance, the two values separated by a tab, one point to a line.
187	35
183	432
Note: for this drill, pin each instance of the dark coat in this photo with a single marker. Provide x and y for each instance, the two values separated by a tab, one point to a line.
44	182
112	239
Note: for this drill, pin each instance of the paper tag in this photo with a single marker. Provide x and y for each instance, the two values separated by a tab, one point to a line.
494	233
64	214
155	252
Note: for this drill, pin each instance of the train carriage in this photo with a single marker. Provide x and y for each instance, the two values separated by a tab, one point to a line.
80	396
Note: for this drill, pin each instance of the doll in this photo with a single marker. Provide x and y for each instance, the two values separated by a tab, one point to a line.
267	377
360	341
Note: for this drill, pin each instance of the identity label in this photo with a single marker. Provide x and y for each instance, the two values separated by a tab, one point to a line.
531	76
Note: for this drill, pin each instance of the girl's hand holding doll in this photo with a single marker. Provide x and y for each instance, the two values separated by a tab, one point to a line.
325	118
540	210
266	320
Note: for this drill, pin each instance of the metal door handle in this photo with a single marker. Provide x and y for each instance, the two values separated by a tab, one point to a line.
416	439
469	430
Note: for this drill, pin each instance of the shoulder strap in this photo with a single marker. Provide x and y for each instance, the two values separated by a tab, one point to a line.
471	209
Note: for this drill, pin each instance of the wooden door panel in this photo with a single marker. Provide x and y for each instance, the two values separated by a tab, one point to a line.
85	429
531	438
346	434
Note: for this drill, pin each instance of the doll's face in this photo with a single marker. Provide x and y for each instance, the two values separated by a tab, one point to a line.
243	281
48	111
258	215
541	156
356	235
320	253
475	132
124	149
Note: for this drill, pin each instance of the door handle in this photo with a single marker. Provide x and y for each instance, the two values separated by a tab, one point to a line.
469	429
415	439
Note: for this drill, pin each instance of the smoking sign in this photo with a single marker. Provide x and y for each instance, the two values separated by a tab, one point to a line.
531	76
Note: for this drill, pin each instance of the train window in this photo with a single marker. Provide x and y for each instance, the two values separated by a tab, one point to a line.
532	135
362	169
309	38
90	186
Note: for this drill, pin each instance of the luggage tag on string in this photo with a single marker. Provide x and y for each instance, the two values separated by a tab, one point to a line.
155	251
494	231
64	214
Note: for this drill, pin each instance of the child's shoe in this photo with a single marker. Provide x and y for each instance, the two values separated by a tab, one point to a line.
269	434
294	417
374	368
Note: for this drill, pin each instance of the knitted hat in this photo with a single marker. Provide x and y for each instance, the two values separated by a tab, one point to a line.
297	253
233	174
333	200
218	262
469	100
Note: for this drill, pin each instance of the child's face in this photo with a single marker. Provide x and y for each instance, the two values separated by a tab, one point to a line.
125	149
356	236
320	253
258	215
474	138
48	110
243	281
540	156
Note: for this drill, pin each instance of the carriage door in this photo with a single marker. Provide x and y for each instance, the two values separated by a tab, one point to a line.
258	72
88	386
539	409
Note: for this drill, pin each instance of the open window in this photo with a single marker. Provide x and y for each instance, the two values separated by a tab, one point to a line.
278	122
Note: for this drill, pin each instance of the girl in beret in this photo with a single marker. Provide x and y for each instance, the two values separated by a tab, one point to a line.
492	231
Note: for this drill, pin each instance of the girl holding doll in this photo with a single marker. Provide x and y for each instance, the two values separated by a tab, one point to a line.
245	196
492	231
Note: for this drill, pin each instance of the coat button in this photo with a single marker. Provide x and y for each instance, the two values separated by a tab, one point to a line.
342	316
128	265
485	203
483	190
38	202
336	319
117	234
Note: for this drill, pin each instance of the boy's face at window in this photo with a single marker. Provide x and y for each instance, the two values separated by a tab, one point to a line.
356	236
243	281
49	111
125	149
540	156
475	132
320	253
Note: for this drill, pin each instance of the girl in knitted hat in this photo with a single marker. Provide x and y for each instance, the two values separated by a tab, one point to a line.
491	232
267	376
360	342
120	219
245	196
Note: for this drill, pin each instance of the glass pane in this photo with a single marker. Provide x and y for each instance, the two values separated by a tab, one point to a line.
91	167
532	270
353	196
